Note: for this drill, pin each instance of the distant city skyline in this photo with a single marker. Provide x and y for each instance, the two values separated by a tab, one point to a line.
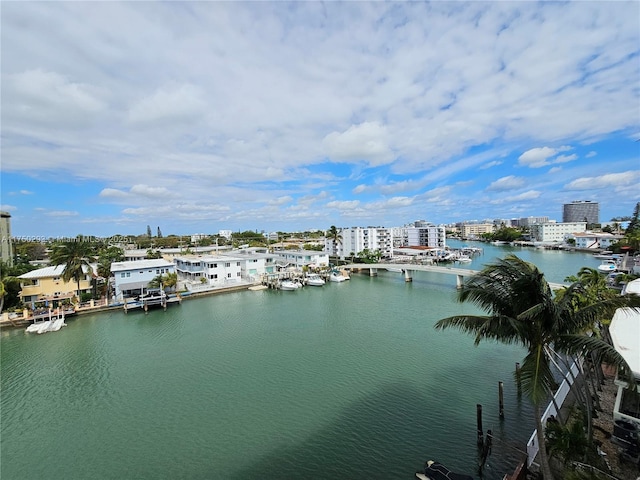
277	116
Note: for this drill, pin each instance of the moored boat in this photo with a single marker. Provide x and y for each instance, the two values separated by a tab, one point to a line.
288	285
608	266
337	277
315	280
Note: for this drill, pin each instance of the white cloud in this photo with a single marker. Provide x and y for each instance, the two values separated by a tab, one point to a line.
591	154
173	104
565	158
510	182
488	165
610	180
343	205
539	156
359	189
8	208
365	142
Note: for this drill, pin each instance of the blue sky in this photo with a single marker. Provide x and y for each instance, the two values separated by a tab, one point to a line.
197	117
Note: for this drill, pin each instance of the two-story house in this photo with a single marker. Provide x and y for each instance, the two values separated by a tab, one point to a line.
46	286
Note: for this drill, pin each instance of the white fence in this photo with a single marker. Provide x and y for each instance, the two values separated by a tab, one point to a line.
560	396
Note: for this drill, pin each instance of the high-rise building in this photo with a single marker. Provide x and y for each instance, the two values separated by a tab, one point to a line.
581	211
6	245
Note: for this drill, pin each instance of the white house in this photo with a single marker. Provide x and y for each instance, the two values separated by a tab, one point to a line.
594	240
216	270
301	258
132	278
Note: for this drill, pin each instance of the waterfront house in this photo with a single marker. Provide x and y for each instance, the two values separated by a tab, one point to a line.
132	278
301	258
598	241
214	270
46	286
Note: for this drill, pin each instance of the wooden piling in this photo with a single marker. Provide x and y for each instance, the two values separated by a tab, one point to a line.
501	398
479	424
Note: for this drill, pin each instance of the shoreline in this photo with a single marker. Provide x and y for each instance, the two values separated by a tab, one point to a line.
16	323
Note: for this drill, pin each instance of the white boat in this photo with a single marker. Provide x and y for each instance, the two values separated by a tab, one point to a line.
607	266
34	327
337	277
464	259
288	285
314	280
604	255
45	326
57	324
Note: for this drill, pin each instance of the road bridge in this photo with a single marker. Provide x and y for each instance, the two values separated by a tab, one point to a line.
408	268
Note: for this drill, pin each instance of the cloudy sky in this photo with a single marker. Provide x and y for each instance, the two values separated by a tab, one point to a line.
197	117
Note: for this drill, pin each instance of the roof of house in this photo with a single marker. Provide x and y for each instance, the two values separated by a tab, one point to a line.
137	264
48	272
625	333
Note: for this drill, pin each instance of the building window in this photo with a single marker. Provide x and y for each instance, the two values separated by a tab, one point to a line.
128	274
237	274
228	275
227	264
157	271
122	275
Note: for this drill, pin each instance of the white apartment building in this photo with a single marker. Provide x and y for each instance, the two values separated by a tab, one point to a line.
427	236
133	277
555	232
356	239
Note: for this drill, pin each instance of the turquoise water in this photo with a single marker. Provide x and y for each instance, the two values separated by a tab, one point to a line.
345	381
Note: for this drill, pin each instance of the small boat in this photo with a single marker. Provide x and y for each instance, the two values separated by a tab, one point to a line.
437	471
607	266
35	326
315	280
604	255
464	259
337	277
288	285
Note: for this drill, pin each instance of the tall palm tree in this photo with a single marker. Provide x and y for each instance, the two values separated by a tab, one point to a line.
522	310
76	257
335	236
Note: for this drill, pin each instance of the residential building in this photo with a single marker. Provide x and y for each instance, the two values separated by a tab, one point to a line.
581	211
555	232
602	241
301	258
225	233
528	221
6	242
214	270
132	278
475	230
46	285
426	235
356	239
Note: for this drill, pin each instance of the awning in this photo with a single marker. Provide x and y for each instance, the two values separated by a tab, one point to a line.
133	286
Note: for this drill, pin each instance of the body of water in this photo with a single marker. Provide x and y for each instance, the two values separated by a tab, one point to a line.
345	381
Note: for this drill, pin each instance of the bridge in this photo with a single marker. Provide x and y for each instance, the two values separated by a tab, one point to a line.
408	268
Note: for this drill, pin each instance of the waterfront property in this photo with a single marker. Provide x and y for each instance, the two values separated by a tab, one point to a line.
555	232
46	286
594	241
132	278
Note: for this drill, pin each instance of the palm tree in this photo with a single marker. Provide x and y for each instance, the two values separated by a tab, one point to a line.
335	236
522	310
76	257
